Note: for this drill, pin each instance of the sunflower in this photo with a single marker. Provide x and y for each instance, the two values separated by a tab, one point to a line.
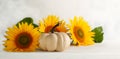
21	38
48	23
80	32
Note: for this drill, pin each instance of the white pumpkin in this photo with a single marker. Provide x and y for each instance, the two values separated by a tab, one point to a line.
57	41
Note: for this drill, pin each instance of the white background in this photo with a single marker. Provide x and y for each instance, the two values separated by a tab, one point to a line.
104	13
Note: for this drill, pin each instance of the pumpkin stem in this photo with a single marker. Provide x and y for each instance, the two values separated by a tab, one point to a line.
53	29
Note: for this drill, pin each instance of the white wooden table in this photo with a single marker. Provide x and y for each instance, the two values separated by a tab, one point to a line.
109	49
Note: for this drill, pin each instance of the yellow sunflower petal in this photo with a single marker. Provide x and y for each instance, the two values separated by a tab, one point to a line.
22	38
41	27
80	31
50	22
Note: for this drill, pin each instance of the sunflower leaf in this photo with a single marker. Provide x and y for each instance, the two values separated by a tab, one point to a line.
28	20
35	25
98	38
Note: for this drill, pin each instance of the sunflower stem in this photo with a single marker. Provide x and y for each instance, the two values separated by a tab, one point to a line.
53	29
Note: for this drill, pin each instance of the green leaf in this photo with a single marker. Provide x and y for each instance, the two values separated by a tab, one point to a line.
98	38
29	20
35	25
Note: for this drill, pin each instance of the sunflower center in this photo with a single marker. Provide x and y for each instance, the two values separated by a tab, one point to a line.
23	40
48	28
80	33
